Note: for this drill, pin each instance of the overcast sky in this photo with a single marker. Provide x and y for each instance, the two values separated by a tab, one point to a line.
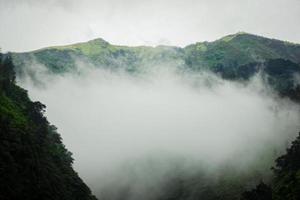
32	24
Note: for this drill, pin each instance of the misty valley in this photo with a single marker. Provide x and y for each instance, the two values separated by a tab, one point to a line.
212	120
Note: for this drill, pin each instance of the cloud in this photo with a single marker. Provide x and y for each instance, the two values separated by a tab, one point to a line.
32	24
135	131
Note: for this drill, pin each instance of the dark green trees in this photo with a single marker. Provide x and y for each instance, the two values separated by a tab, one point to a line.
286	180
287	173
34	164
261	192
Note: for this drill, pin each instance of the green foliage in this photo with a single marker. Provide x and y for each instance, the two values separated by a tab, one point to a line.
234	57
229	52
261	192
286	180
239	49
101	54
287	173
34	164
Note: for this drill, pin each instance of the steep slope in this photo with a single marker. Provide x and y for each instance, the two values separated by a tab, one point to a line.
34	164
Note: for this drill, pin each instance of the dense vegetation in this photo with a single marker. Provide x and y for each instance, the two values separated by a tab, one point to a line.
286	181
237	57
34	164
230	184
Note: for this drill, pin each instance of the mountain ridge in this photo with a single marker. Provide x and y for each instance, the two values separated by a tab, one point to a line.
101	40
235	57
227	57
243	47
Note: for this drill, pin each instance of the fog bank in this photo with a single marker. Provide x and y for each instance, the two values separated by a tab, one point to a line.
136	130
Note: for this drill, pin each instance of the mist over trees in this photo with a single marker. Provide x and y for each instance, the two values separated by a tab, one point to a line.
285	182
156	123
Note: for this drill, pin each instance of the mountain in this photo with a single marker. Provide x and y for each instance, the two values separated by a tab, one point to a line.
240	49
102	54
235	57
229	51
34	163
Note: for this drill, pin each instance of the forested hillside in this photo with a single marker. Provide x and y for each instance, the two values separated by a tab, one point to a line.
286	178
34	163
235	57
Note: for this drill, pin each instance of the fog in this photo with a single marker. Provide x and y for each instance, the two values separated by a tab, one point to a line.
137	130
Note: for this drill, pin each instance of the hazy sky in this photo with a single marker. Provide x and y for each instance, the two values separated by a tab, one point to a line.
32	24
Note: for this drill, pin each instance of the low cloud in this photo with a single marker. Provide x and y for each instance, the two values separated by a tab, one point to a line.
135	131
32	24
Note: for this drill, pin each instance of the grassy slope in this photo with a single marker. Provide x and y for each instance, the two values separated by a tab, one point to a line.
228	53
237	56
240	49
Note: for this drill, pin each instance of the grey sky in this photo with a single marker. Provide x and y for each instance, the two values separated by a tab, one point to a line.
32	24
